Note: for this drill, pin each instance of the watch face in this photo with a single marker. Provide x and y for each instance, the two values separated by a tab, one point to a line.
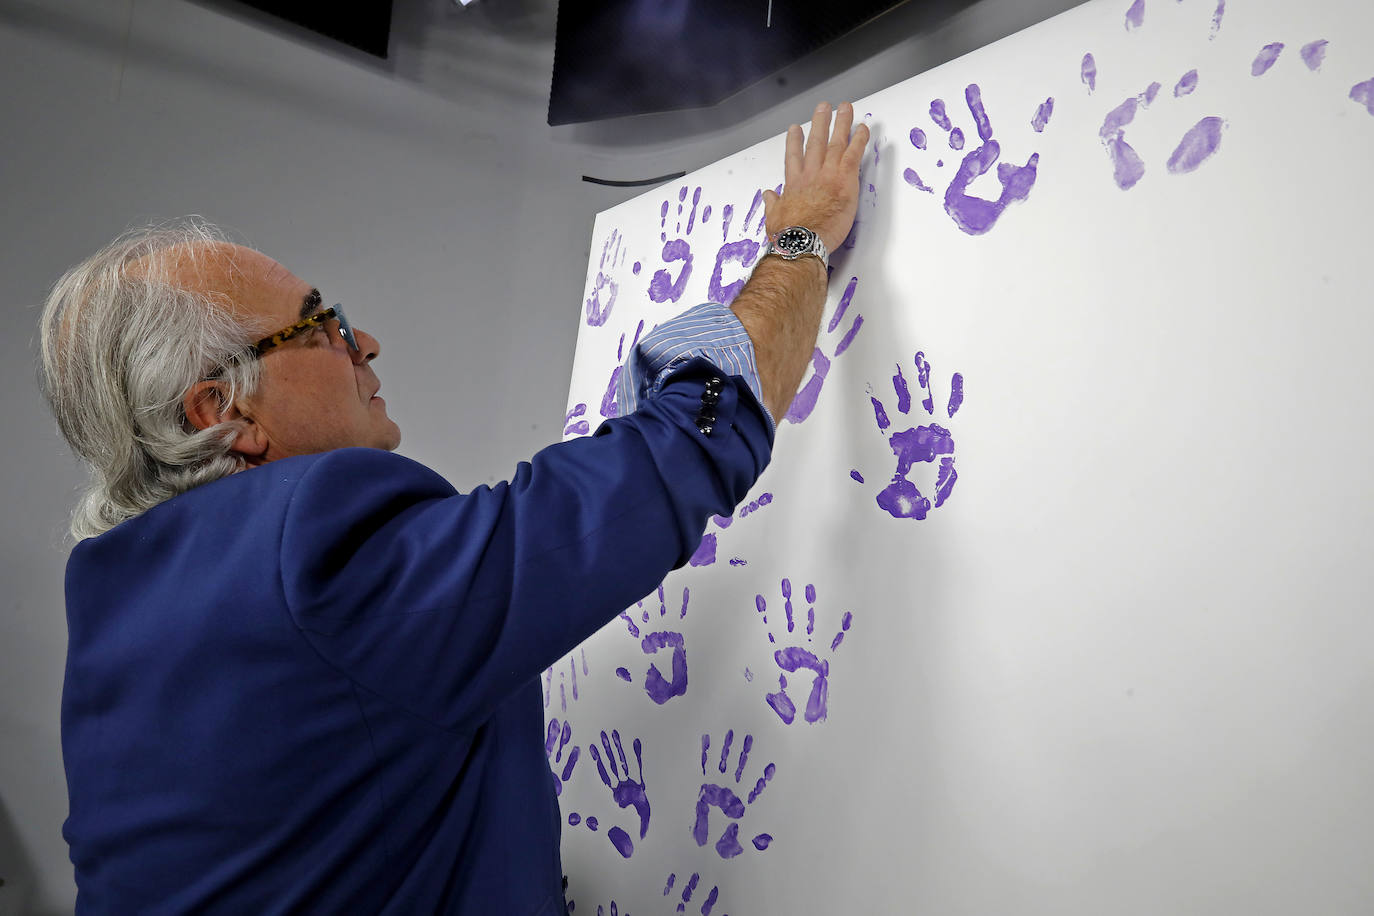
794	240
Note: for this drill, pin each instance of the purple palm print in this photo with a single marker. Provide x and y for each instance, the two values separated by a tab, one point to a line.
725	799
658	687
800	657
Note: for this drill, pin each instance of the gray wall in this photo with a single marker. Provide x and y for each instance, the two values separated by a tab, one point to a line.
425	192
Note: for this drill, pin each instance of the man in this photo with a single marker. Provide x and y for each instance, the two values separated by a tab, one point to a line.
303	671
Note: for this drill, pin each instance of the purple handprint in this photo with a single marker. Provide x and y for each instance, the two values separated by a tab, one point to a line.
562	680
688	889
561	737
1196	147
713	795
605	288
901	498
797	657
805	401
975	215
626	792
660	689
741	249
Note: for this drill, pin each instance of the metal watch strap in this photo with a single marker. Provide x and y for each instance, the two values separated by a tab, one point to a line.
816	248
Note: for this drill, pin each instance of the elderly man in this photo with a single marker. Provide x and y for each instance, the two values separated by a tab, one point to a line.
303	671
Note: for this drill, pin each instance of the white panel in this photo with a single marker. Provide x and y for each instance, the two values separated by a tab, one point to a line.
1124	667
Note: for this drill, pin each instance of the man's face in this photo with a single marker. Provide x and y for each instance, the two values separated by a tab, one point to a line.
316	393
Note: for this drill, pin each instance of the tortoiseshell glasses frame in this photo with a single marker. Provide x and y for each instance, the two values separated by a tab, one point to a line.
307	324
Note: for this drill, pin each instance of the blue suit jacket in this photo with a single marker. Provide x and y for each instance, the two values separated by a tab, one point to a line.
314	686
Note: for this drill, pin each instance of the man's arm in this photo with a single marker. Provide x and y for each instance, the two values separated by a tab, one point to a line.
781	305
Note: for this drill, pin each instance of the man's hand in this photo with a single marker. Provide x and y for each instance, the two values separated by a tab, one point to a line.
781	304
821	189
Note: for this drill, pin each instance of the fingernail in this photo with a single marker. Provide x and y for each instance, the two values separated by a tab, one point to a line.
823	106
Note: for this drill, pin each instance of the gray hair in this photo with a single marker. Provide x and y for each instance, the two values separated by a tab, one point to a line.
122	343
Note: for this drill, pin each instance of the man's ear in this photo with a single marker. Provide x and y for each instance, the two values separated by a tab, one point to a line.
207	404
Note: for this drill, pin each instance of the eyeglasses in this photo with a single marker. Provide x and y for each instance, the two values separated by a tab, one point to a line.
307	324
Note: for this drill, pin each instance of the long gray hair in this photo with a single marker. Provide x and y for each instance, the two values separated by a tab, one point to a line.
122	343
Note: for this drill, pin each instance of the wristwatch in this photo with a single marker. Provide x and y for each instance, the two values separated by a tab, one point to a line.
796	241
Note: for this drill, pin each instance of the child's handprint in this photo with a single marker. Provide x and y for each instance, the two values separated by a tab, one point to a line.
797	657
688	889
561	737
713	795
626	792
660	689
805	401
605	288
975	215
742	250
900	498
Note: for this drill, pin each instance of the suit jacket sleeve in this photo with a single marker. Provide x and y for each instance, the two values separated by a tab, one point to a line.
446	603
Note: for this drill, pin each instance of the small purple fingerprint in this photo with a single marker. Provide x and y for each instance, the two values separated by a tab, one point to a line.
621	841
918	138
1186	84
1135	16
1216	19
636	269
856	475
879	414
1088	73
705	553
1363	93
1197	145
915	181
956	393
1313	53
956	139
937	114
1148	96
761	841
574	819
623	674
1042	115
592	824
1265	58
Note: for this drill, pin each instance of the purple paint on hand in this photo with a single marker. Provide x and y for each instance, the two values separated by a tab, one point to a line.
1135	16
663	288
1197	145
1087	72
1313	53
918	138
1186	84
1042	115
1363	93
1265	59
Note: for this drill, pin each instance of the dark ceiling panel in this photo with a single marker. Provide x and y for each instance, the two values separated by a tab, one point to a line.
364	24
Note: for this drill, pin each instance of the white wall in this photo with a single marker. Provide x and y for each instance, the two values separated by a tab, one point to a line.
426	193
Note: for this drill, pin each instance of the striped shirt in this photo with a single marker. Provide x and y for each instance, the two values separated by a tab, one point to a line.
710	331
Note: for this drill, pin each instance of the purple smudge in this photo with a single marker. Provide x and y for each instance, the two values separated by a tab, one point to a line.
844	628
714	796
1186	84
744	252
1148	96
845	298
577	411
923	380
974	96
856	475
1265	59
920	444
736	561
1363	93
623	674
724	521
849	335
974	215
691	220
956	139
880	415
1197	145
572	664
609	407
753	205
705	553
663	216
1118	118
956	393
759	786
726	214
939	163
1313	53
682	194
574	819
787	603
761	606
597	311
1088	73
761	841
662	288
805	401
901	499
743	756
1135	16
706	906
706	214
669	886
748	675
659	688
918	138
629	624
636	269
937	114
705	746
1216	19
620	349
903	392
781	703
944	482
621	841
810	593
725	748
592	824
1127	166
1042	115
915	180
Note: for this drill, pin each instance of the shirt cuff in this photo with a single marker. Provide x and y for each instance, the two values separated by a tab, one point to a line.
709	331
